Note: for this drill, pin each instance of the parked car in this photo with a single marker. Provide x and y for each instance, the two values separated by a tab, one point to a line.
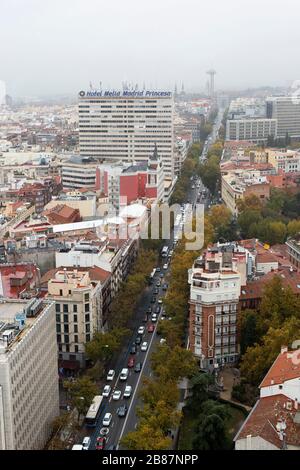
130	362
110	375
149	310
144	346
157	310
154	318
107	419
165	266
122	411
106	391
160	301
158	283
138	340
162	340
100	443
133	349
138	367
117	394
153	300
161	275
127	391
158	270
156	291
165	287
141	330
151	328
86	443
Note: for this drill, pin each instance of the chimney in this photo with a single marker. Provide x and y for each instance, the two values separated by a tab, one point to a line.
284	349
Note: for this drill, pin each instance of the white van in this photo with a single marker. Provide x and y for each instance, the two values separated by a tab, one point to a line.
77	447
124	374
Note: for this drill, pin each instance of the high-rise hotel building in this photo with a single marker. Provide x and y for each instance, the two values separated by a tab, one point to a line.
126	125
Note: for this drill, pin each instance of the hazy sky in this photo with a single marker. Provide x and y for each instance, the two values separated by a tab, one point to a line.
59	46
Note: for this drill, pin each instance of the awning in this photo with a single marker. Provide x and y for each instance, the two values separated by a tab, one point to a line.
67	364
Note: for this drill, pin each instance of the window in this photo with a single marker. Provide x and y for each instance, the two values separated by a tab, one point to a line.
86	297
57	307
76	348
87	328
65	308
66	319
58	328
87	307
66	338
87	317
70	292
75	319
75	328
58	337
66	328
60	292
75	308
75	338
87	337
58	318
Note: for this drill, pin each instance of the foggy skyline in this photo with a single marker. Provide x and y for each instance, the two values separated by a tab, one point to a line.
60	47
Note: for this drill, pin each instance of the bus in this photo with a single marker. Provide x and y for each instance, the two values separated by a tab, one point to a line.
151	276
165	252
93	412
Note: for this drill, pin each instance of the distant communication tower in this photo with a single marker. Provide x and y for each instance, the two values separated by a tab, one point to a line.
211	74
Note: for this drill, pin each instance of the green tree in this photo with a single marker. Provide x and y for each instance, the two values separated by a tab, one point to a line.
210	431
146	438
200	384
249	332
258	358
81	393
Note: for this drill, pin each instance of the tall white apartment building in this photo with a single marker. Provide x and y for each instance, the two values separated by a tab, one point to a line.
29	398
126	125
79	172
286	110
253	130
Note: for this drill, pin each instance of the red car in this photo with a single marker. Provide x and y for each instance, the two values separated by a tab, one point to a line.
130	362
100	444
151	328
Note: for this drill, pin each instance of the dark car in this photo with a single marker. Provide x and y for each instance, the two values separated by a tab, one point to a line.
138	340
100	444
161	274
158	270
130	362
157	310
149	311
158	284
165	286
145	318
153	300
133	349
138	367
122	411
156	291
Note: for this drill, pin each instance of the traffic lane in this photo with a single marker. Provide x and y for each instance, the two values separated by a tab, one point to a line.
123	358
132	418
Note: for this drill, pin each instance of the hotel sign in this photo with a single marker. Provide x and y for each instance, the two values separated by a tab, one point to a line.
125	93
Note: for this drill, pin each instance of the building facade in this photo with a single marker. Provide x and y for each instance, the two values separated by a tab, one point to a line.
286	110
79	172
126	125
78	307
214	295
253	130
29	398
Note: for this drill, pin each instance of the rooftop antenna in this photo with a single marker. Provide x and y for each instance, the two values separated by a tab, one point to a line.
91	86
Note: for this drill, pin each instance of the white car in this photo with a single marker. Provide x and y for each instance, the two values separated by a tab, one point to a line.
107	419
141	330
165	266
127	391
160	301
117	394
106	391
154	318
86	443
110	375
162	341
144	346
